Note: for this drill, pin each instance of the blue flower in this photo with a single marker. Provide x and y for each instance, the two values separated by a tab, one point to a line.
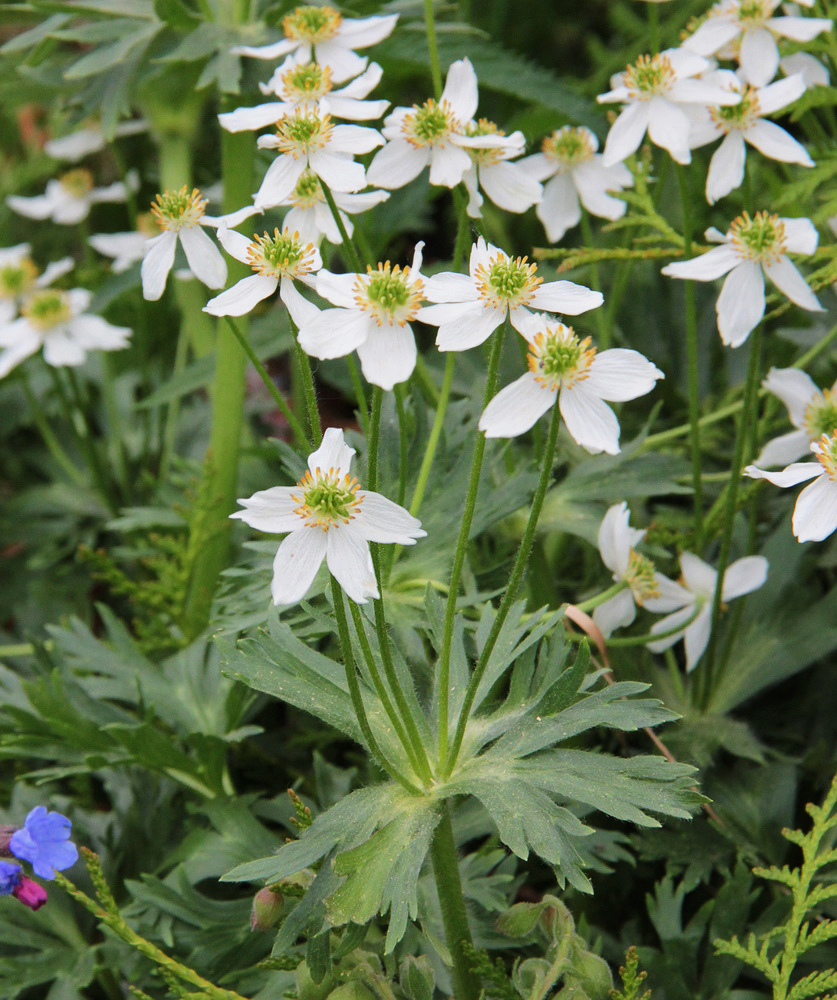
44	842
9	878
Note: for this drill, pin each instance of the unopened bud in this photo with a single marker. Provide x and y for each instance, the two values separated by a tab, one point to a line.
30	893
268	904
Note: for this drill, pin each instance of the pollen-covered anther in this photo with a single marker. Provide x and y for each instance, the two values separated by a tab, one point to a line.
821	414
47	309
761	238
429	123
18	278
281	255
569	146
558	359
738	116
181	209
327	499
506	281
649	76
641	577
301	133
826	451
311	24
389	294
306	82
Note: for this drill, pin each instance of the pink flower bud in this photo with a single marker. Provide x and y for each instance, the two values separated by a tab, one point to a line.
266	909
30	893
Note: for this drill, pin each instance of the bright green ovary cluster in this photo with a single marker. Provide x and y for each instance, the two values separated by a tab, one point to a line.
761	234
740	115
821	417
311	23
752	11
430	123
329	501
559	358
642	577
46	309
308	188
568	145
16	278
387	291
280	252
302	129
650	75
307	78
508	278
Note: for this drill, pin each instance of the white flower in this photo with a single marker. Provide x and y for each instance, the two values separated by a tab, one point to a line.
645	586
180	214
566	369
506	184
433	134
329	518
813	411
311	217
653	90
310	141
307	88
90	139
277	260
576	173
809	68
373	317
744	121
815	513
19	278
125	249
57	321
699	582
321	35
751	23
752	248
68	200
471	306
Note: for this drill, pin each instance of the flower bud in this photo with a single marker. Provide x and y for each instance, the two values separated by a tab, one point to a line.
268	904
30	893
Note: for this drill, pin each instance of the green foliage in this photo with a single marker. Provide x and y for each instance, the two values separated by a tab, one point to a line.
632	979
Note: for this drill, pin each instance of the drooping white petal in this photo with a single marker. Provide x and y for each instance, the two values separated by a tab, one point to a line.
296	563
236	244
794	474
273	51
23	347
726	168
616	613
71	210
669	623
243	297
61	349
759	58
301	310
205	260
740	305
470	324
590	421
744	576
801	235
616	538
333	453
338	170
362	85
708	266
785	276
279	181
784	449
350	561
697	635
775	142
559	209
815	514
565	297
795	388
271	510
626	133
698	575
158	260
668	127
593	181
381	520
397	164
388	354
461	90
509	187
620	374
334	333
516	408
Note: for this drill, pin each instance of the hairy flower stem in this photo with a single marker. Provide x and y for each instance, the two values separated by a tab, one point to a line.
403	443
515	578
433	51
748	412
435	434
605	595
374	438
459	555
354	689
212	552
692	355
270	385
309	390
452	903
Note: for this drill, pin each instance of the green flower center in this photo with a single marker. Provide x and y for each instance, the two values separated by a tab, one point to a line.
308	191
280	254
569	146
430	123
510	278
327	499
821	414
642	577
760	238
558	358
308	80
47	309
17	279
649	76
389	293
179	209
311	24
753	12
77	183
302	132
738	116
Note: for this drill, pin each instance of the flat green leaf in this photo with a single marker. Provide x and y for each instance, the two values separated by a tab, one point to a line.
107	56
29	39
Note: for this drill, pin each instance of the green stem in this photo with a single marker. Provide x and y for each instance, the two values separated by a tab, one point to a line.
115	437
354	689
692	355
46	432
354	260
515	578
601	315
374	438
653	27
452	903
173	409
87	440
747	413
459	555
278	398
403	443
641	640
309	390
360	394
605	595
433	50
435	435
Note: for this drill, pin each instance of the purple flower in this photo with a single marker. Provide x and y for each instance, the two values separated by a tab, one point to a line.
44	842
9	878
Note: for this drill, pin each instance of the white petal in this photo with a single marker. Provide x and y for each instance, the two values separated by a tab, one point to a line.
616	613
158	260
71	210
355	139
333	454
337	288
24	347
744	576
205	260
362	85
670	595
775	142
616	538
334	333
338	170
351	563
301	310
698	575
279	181
626	133
620	374
726	168
271	510
759	58
538	166
590	421
509	187
566	297
76	145
461	90
39	207
447	164
780	94
236	244
242	297
668	127
356	203
697	637
381	520
516	408
707	267
250	119
740	305
273	51
472	325
353	110
712	35
559	209
344	63
397	164
786	278
95	333
359	33
800	29
784	449
667	624
296	563
801	235
388	354
808	67
795	388
449	286
58	268
59	350
593	181
791	476
815	514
